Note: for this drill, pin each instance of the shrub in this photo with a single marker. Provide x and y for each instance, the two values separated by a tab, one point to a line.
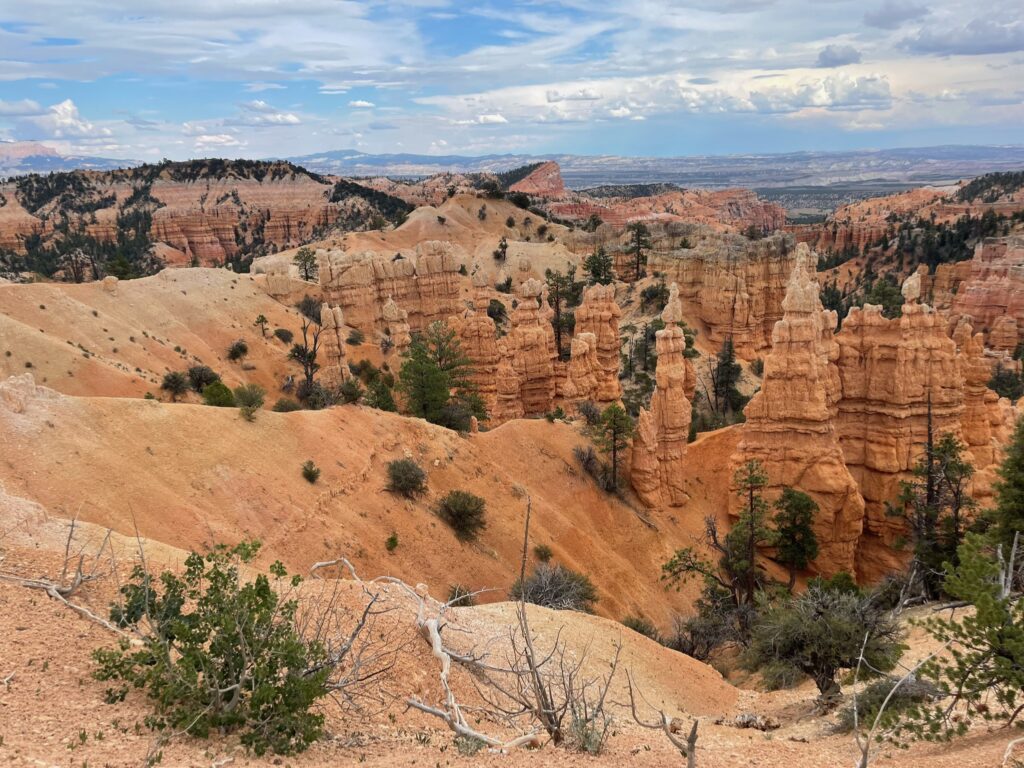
379	396
587	458
556	415
175	383
781	675
351	391
542	552
464	512
218	395
249	399
642	626
406	478
460	596
714	625
310	471
286	405
555	586
284	335
310	307
191	629
909	695
201	375
757	367
510	222
391	542
238	350
315	396
355	337
590	413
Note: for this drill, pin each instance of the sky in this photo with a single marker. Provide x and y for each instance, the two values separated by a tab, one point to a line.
148	79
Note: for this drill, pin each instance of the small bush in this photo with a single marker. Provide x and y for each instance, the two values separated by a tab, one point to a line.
469	745
355	337
757	367
249	399
310	471
406	478
556	415
391	542
201	375
542	552
351	391
781	675
642	626
590	413
557	587
911	693
310	307
460	596
284	335
175	383
587	458
218	395
316	397
199	621
510	222
238	350
464	512
286	405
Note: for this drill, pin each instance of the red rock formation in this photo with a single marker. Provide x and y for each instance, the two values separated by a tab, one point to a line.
396	324
736	286
988	420
424	282
1004	336
599	315
478	337
659	447
508	402
532	347
334	369
543	181
584	372
992	290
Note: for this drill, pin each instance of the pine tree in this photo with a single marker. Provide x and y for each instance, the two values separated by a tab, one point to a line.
598	267
749	532
305	260
436	379
614	432
1008	515
796	545
640	241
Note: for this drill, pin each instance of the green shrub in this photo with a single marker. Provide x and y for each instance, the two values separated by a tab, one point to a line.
310	307
406	478
642	625
310	471
351	391
590	412
557	414
391	542
542	552
465	513
238	350
286	405
555	586
175	383
757	367
192	627
781	675
910	694
284	335
201	375
355	337
218	395
249	399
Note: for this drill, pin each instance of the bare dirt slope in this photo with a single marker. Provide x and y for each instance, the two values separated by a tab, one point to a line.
81	339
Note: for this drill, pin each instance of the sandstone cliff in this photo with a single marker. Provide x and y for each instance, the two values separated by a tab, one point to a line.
334	369
599	315
531	344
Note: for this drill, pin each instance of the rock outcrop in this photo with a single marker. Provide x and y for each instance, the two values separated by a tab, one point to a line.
584	372
477	336
599	315
662	434
543	181
425	282
734	285
988	420
396	324
790	423
333	369
508	403
531	345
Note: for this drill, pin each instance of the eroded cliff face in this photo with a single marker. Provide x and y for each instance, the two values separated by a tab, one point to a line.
543	181
477	335
334	369
424	282
531	345
662	434
790	423
735	286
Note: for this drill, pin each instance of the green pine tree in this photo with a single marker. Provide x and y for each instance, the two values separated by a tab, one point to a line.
1008	515
612	436
598	267
796	545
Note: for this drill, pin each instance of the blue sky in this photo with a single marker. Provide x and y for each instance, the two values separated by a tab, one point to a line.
256	78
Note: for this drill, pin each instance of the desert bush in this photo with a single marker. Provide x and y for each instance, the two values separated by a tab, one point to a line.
464	512
310	307
191	629
713	626
558	414
910	694
757	367
391	542
406	478
238	350
315	396
175	383
284	335
201	375
355	337
590	413
558	587
286	405
310	471
351	391
249	399
542	552
461	596
587	458
218	395
643	626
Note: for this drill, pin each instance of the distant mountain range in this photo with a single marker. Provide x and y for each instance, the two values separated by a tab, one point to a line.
905	167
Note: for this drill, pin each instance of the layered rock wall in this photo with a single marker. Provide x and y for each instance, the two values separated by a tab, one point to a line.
333	369
531	344
599	315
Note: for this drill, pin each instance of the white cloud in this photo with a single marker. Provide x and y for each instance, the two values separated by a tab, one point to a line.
493	119
60	121
838	56
216	141
361	104
21	108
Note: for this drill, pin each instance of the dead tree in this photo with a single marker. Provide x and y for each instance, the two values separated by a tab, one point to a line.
687	748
